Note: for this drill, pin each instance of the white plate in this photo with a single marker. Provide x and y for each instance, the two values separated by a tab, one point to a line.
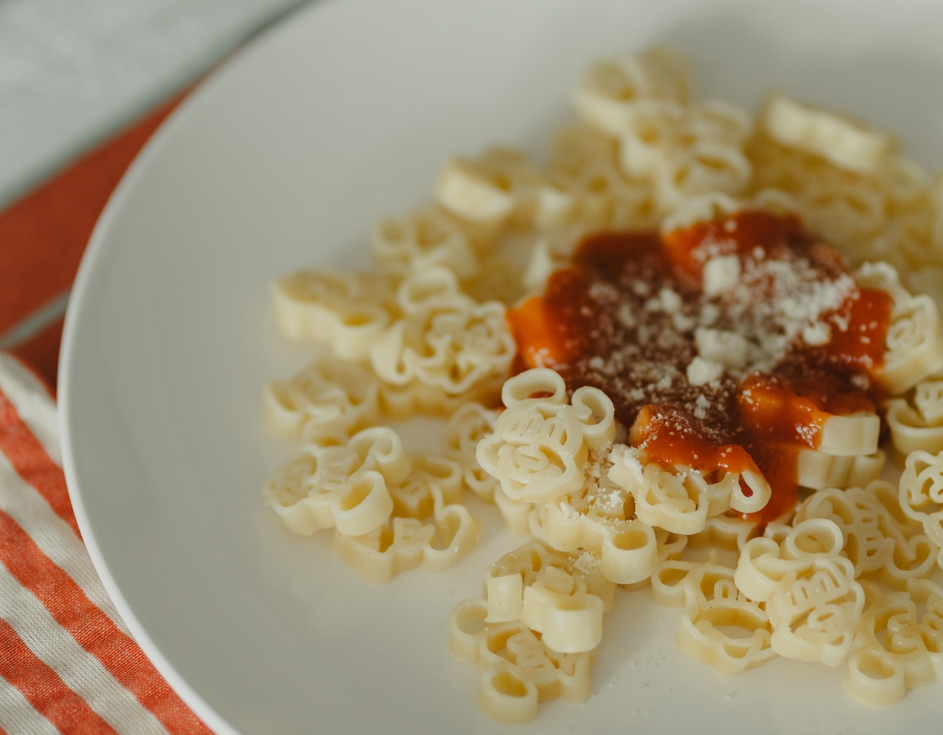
282	160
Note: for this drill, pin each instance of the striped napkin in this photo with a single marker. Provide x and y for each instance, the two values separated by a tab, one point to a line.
67	662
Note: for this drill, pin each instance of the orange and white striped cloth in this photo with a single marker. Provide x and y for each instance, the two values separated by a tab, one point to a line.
67	662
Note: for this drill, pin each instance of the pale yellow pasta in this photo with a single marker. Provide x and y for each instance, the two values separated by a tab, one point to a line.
713	609
506	598
301	491
918	427
466	427
681	499
850	435
688	152
444	340
837	139
625	548
423	240
346	312
724	532
817	470
921	493
859	519
540	445
402	402
516	513
401	543
892	654
413	496
914	343
331	398
486	190
812	599
519	668
615	91
361	504
586	165
321	483
914	553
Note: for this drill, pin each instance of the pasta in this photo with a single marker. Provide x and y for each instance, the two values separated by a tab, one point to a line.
652	355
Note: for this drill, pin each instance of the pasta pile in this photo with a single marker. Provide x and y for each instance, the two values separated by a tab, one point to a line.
844	579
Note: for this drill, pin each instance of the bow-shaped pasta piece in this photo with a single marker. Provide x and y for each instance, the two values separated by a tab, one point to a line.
921	493
812	599
540	445
401	544
466	427
345	311
616	90
426	239
817	470
331	399
445	340
712	605
918	427
891	655
518	667
340	485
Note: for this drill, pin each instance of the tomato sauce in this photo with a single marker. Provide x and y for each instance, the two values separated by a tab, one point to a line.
628	313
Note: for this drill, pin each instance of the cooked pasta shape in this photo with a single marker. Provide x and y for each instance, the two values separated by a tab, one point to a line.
615	90
859	519
519	669
892	655
466	427
626	548
812	599
540	446
331	398
921	493
917	425
346	312
914	343
498	185
413	497
403	543
817	470
426	239
445	340
681	499
844	143
712	607
322	483
914	553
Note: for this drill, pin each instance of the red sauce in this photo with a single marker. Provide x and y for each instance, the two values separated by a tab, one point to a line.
623	318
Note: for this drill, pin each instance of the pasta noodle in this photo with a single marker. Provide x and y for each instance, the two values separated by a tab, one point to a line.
645	354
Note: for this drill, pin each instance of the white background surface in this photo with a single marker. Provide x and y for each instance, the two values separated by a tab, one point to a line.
282	161
72	71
